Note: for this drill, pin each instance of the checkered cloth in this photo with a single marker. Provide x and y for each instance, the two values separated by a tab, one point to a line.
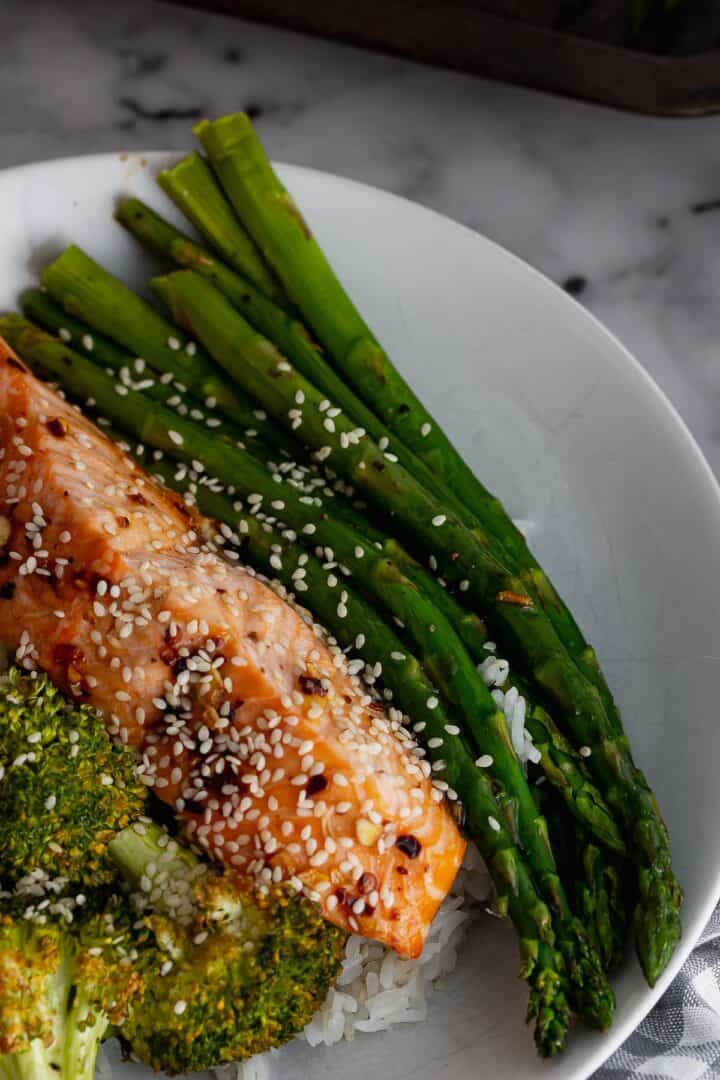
680	1039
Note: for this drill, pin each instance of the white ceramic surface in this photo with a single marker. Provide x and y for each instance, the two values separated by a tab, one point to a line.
559	419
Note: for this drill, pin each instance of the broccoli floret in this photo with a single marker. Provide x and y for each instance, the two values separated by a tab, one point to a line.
219	970
230	970
65	788
62	984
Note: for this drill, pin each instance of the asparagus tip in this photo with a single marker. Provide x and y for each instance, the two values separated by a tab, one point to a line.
657	922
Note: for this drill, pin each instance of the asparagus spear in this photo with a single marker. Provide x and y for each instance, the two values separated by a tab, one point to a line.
89	294
362	631
283	329
277	226
442	653
462	554
561	765
596	877
270	377
193	188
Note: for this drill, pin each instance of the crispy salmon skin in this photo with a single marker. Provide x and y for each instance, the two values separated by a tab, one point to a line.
244	719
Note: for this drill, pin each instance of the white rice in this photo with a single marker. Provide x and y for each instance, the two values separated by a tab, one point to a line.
377	988
494	672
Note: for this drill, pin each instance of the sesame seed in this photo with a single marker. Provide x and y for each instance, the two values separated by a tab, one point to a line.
432	702
494	823
173	344
452	729
425	429
176	437
87	342
180	1006
585	751
439	520
484	761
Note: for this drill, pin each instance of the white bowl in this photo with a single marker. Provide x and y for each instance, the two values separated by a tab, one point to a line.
558	418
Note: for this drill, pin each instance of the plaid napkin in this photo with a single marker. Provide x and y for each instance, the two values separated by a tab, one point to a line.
680	1039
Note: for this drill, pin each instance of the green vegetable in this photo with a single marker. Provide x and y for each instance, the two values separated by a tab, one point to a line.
92	295
65	973
284	330
248	970
62	985
274	221
192	186
596	877
57	818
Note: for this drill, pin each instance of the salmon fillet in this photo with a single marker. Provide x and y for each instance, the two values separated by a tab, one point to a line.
277	761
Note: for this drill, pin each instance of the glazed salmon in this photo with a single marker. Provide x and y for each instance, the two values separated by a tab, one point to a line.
276	759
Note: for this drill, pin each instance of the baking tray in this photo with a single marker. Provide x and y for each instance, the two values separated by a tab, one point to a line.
514	40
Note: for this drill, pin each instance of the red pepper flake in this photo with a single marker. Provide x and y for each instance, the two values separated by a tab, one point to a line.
519	599
138	498
122	521
409	845
401	870
67	654
57	427
367	882
7	590
310	685
315	785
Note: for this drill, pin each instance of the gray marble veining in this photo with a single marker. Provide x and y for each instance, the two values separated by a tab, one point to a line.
625	210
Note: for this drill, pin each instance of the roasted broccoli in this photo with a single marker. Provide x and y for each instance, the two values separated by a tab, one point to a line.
65	788
230	970
66	970
64	979
110	920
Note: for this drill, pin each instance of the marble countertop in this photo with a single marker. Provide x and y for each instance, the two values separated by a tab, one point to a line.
623	210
